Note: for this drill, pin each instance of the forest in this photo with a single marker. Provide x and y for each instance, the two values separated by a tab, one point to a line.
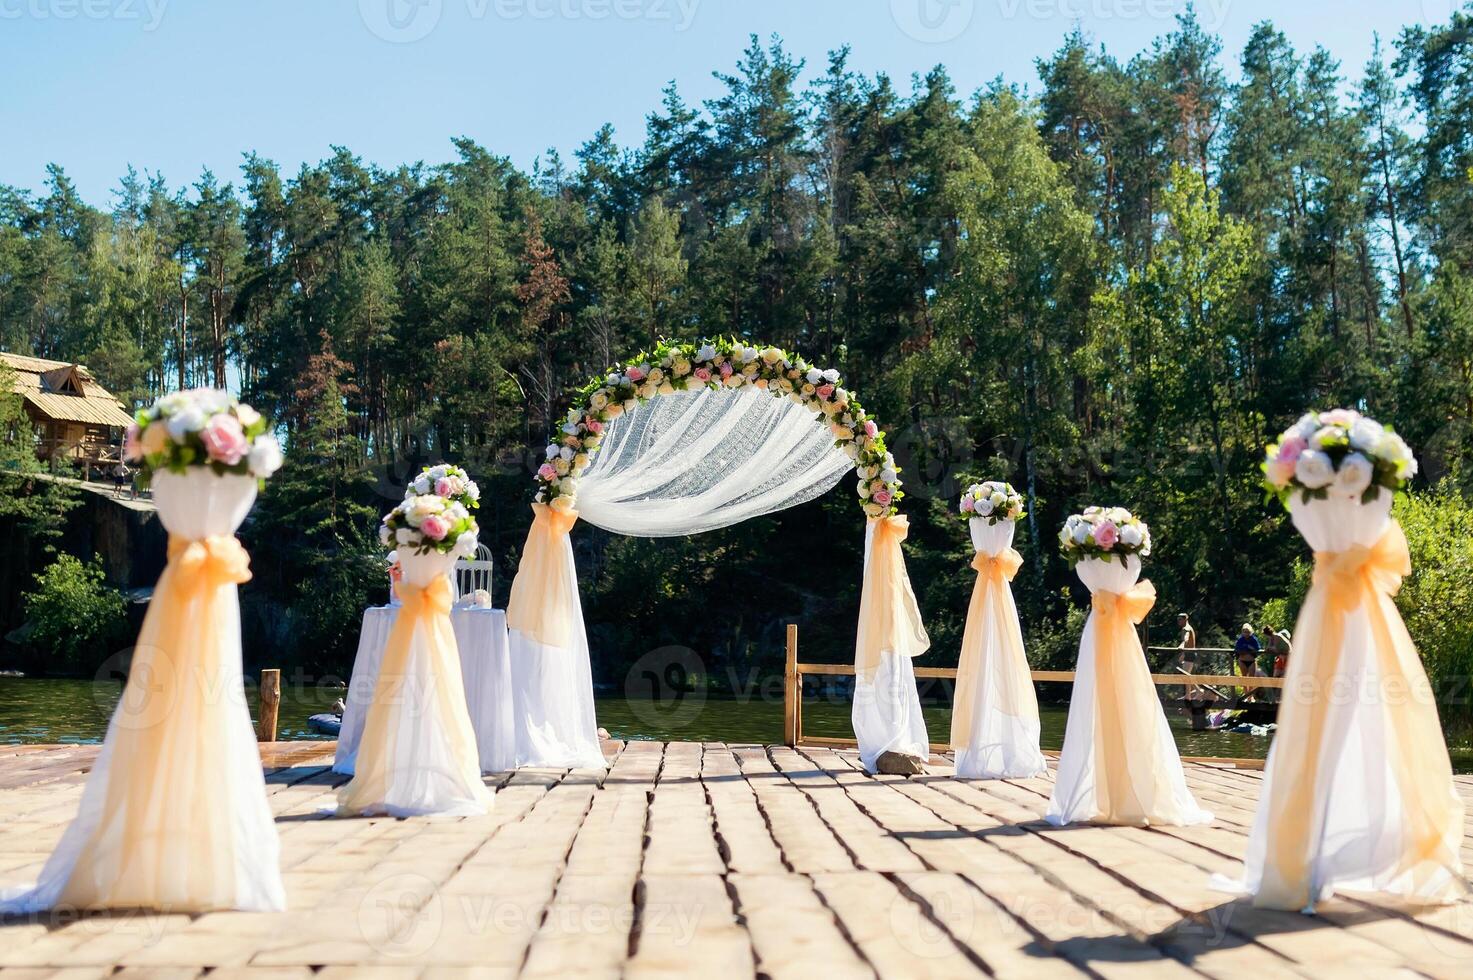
1111	284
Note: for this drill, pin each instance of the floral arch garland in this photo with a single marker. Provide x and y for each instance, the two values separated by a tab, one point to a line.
718	364
552	682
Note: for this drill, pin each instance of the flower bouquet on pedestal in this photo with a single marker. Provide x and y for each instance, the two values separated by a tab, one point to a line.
174	816
994	719
1120	763
1365	799
418	753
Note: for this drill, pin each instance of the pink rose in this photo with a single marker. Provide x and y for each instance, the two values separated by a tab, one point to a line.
1291	448
443	487
593	425
726	369
870	429
1106	534
703	374
1281	472
546	471
882	497
635	373
435	527
225	441
132	448
968	504
824	391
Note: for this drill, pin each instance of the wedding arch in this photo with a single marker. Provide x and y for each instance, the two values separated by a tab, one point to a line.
689	437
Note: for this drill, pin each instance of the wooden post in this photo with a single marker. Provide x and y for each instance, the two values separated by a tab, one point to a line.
270	704
792	691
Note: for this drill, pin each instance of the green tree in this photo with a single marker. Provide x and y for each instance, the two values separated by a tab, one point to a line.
74	620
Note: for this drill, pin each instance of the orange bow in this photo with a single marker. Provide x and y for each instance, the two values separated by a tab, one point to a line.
1002	643
1132	605
1001	567
1348	575
889	618
425	600
543	593
209	562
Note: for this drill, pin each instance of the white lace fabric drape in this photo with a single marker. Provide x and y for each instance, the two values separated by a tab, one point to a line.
696	461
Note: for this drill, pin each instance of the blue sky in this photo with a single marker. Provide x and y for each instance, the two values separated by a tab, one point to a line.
172	86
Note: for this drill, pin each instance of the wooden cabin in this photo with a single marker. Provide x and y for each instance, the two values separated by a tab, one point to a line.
75	418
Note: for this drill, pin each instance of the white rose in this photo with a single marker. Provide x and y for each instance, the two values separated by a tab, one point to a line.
889	475
1314	469
706	353
1366	435
385	536
187	420
1306	427
465	545
831	376
1081	533
1130	536
566	453
265	456
404	536
984	507
1355	475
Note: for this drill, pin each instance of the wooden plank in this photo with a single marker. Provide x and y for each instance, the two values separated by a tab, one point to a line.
724	860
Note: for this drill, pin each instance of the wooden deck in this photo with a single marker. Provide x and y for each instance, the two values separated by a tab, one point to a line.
717	860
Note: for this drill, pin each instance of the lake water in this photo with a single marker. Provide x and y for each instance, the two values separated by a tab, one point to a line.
50	710
45	710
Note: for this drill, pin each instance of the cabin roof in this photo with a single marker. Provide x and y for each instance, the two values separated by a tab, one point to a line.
65	392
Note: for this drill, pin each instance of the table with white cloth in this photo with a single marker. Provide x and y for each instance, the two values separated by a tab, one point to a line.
485	665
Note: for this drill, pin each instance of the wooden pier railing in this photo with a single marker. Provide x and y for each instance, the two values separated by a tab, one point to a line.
795	671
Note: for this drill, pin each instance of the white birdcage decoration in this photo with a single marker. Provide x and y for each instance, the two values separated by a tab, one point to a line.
473	577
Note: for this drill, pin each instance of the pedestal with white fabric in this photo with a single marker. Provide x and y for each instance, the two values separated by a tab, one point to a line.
174	816
552	680
1358	791
485	667
1119	764
418	753
887	708
995	724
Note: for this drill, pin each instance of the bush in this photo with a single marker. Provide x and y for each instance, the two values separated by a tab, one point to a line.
74	619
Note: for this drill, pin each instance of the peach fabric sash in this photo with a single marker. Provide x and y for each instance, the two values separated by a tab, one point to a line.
1013	690
889	617
1431	811
541	593
1131	784
424	609
167	836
